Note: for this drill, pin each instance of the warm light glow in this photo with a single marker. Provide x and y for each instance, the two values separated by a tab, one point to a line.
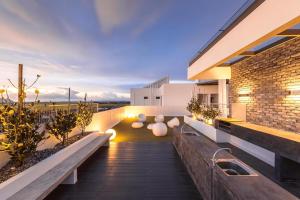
130	115
294	93
209	121
244	95
113	132
244	91
194	117
294	90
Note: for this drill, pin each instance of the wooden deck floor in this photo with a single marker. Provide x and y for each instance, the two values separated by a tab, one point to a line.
139	167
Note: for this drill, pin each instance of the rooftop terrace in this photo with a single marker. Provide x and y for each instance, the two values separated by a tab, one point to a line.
137	165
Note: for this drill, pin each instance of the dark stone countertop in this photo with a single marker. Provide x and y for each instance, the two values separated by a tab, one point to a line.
284	143
243	187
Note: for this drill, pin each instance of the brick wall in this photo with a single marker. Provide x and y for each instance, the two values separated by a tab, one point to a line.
268	77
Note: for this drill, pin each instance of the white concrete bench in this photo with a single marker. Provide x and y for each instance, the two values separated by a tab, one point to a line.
61	168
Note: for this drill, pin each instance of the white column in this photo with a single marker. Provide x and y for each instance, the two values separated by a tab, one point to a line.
223	97
71	179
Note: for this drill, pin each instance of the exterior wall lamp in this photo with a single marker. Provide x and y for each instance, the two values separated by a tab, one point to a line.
294	92
244	95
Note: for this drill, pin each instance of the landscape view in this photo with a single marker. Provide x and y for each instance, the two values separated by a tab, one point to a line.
150	99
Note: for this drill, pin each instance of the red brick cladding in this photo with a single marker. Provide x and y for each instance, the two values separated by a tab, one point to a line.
268	75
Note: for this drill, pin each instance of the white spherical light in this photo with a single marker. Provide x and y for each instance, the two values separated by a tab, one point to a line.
113	132
173	122
159	129
149	126
137	125
141	118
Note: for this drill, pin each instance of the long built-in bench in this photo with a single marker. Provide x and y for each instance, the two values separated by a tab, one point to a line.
61	168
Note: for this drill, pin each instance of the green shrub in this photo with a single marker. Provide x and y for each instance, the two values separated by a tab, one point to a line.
194	106
61	125
210	112
84	116
21	130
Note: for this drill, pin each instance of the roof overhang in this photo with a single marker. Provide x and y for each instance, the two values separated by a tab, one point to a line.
269	19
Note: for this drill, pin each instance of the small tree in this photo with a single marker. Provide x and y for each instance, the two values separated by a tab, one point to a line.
20	123
194	106
210	112
61	125
21	131
84	116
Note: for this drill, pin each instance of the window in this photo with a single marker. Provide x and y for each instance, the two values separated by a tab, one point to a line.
157	97
145	97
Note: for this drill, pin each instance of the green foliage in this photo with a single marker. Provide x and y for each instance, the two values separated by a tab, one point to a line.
84	115
61	125
210	112
21	130
206	111
194	106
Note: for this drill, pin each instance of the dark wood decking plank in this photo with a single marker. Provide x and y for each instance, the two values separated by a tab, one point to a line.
148	168
158	176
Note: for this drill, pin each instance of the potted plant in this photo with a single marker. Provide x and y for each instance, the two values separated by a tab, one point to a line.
84	116
210	113
195	107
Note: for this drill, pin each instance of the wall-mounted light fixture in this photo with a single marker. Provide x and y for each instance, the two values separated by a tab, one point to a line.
294	92
244	95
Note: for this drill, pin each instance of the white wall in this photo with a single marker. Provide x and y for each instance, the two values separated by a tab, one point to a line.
137	96
177	94
156	110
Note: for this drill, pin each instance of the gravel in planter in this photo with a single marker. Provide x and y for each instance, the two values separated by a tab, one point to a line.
9	170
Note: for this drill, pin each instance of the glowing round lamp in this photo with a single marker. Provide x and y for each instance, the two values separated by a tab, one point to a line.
113	132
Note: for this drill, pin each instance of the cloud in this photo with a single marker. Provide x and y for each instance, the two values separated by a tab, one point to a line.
150	19
137	14
115	13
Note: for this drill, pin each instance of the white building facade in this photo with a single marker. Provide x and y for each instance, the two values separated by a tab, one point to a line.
174	94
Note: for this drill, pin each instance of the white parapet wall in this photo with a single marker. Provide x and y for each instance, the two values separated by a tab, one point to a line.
156	110
222	137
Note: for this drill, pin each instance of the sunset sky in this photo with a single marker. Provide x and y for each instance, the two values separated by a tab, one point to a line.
104	47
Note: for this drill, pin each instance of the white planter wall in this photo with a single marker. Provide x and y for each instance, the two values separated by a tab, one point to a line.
207	130
26	177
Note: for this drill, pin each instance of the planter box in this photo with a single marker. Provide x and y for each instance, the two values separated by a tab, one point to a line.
39	180
220	136
208	130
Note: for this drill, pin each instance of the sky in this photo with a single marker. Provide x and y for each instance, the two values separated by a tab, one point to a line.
103	47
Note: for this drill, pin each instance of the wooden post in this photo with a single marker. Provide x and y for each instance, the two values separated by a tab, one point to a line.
20	89
69	100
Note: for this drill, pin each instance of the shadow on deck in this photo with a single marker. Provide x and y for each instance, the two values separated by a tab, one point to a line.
137	165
